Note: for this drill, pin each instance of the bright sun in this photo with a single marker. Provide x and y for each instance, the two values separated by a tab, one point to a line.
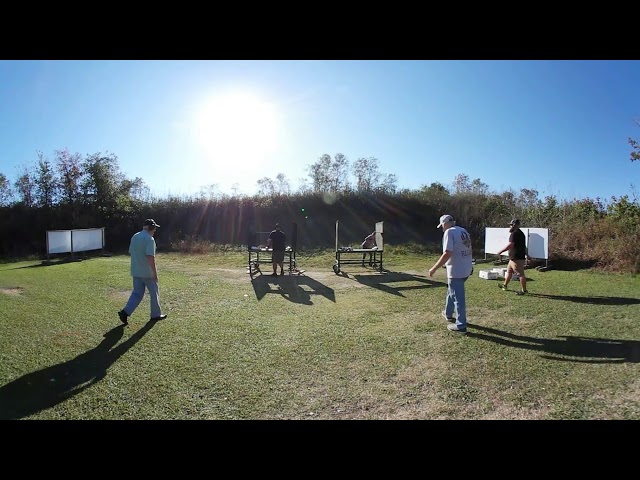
236	128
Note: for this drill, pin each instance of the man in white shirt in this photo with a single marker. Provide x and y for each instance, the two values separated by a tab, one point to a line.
457	256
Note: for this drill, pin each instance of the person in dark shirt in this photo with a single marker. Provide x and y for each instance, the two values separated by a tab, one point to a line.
277	241
517	248
368	243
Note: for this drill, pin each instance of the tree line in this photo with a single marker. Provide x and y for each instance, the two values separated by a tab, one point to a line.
73	191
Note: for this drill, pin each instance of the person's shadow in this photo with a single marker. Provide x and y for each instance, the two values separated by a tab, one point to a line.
50	386
590	300
396	282
579	349
295	288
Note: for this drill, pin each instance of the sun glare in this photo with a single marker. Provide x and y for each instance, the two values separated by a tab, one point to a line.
236	129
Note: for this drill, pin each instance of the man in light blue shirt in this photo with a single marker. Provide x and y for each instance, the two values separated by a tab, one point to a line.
143	270
457	256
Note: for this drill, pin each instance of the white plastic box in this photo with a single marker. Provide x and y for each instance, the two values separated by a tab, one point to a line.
500	271
488	274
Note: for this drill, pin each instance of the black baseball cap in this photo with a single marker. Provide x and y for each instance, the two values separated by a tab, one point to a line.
514	221
150	222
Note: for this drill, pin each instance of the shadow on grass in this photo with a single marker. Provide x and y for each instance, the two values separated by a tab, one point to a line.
562	264
295	288
383	282
52	263
570	265
50	386
581	349
590	300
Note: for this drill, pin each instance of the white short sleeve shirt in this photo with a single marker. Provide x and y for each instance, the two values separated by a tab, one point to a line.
458	241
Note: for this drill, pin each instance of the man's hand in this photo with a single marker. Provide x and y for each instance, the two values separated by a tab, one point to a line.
432	271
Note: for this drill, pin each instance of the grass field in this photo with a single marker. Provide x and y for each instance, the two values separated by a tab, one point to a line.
359	345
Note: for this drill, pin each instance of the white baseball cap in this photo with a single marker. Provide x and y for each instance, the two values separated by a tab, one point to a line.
445	219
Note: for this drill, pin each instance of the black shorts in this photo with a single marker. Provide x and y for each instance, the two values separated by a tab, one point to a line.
277	256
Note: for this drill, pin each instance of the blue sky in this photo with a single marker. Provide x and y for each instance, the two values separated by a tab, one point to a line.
559	127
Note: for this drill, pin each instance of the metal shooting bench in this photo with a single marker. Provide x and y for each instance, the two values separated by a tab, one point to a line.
261	254
376	252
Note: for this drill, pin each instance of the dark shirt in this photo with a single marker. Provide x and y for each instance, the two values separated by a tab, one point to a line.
519	249
278	240
369	241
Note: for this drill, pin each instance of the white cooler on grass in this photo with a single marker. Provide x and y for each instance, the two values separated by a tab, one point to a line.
500	271
503	271
488	274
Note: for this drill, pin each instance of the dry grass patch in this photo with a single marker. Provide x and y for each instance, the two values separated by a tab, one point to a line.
12	291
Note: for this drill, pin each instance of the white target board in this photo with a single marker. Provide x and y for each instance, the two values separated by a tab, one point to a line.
379	232
536	239
58	241
80	240
538	242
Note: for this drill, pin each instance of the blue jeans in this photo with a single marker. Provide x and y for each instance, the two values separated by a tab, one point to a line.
139	285
456	300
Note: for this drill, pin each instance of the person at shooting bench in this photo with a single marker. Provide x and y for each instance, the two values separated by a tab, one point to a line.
368	243
277	241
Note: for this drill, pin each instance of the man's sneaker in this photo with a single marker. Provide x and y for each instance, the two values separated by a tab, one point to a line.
522	292
123	317
161	317
503	286
448	319
455	328
281	272
274	274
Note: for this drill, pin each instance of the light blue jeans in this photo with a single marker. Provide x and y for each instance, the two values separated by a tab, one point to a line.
456	300
139	285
